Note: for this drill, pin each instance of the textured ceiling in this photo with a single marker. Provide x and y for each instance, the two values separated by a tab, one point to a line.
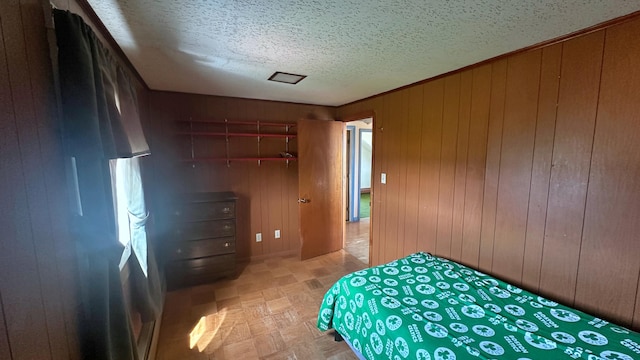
349	49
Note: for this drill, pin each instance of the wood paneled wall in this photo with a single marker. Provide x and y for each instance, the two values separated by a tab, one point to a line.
267	193
526	167
37	258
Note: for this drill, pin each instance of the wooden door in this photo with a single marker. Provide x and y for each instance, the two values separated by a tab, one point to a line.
320	191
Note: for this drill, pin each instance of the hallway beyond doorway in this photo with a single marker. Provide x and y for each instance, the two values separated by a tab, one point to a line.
365	202
357	239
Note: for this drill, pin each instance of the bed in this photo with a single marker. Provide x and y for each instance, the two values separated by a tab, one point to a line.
425	307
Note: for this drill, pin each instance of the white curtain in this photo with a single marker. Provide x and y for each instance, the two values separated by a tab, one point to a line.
130	208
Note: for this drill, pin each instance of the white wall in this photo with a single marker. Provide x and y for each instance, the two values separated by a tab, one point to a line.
359	124
366	140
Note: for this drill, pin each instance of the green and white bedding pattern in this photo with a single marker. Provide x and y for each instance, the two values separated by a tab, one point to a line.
425	307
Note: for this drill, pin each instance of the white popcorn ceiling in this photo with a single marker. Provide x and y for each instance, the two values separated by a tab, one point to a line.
349	49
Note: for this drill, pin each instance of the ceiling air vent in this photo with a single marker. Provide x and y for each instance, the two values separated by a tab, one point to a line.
284	77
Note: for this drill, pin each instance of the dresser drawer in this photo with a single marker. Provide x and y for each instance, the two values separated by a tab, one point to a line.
198	271
205	211
201	243
205	229
201	248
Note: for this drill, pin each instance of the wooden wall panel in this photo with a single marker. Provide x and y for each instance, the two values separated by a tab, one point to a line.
393	159
20	282
492	172
431	145
292	204
19	278
252	194
541	170
412	186
377	104
380	166
257	248
609	262
546	165
636	316
403	119
290	189
450	113
37	283
45	202
240	185
523	75
267	192
576	114
462	150
474	186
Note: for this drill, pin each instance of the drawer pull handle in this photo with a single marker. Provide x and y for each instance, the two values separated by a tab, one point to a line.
226	210
227	227
226	244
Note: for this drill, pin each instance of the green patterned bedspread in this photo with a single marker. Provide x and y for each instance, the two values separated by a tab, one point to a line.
424	307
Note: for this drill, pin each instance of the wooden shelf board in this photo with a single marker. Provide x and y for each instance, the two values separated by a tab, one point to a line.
241	159
215	133
231	123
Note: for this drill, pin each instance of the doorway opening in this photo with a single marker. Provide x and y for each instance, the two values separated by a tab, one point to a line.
359	150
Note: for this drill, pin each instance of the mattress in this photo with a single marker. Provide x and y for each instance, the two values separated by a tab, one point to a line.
425	307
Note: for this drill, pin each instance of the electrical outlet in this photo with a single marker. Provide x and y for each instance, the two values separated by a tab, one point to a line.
383	178
277	234
258	237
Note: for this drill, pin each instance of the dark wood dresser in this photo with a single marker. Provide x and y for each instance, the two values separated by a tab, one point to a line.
203	245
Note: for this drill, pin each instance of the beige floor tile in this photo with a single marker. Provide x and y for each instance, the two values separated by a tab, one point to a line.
262	325
229	304
278	305
268	344
303	275
226	293
280	271
291	289
272	293
284	280
296	333
256	311
204	309
239	332
269	311
241	350
287	354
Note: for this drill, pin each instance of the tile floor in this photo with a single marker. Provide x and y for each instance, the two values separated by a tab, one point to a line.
268	312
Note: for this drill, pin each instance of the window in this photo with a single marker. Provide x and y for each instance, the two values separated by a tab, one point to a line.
130	210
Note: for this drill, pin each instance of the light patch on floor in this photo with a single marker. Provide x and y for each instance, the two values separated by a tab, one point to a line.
264	313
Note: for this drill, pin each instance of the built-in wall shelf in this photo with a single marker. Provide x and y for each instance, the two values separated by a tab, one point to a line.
208	133
212	141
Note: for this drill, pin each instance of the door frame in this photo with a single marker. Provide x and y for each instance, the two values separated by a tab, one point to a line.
361	116
360	132
353	183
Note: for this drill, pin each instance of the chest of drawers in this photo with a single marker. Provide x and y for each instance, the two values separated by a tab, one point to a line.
202	246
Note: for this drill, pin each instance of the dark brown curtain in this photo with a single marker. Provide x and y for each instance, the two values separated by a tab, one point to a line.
100	122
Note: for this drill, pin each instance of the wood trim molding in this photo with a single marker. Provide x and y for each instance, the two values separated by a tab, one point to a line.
540	45
332	107
359	116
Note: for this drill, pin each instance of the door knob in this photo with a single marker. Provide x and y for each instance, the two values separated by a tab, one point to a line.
303	201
